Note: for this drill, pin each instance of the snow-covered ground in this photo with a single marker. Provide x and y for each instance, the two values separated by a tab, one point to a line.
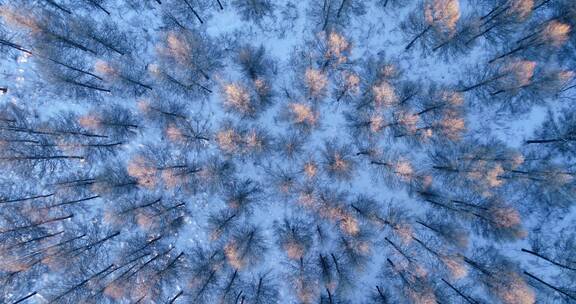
290	31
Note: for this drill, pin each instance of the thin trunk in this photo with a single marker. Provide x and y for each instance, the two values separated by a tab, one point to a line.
398	249
336	264
187	87
38	224
379	163
229	285
112	124
137	83
433	252
15	46
340	8
22	49
477	267
58	6
96	4
548	259
329	296
434	49
175	20
80	145
442	205
26	198
482	83
407	98
34	239
72	68
427	226
39	251
72	43
154	258
17	158
342	94
25	298
168	113
84	85
496	15
75	201
204	74
54	133
141	206
521	47
258	290
205	285
545	141
465	297
238	297
417	37
84	181
226	221
81	284
122	274
430	109
399	273
22	141
490	12
84	248
175	297
193	11
380	293
550	286
170	265
541	4
220	5
326	10
148	243
108	46
201	86
568	88
479	35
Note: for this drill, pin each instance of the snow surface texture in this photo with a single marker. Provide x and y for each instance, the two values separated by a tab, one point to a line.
261	151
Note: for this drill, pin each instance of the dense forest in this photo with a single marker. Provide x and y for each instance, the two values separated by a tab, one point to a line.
287	151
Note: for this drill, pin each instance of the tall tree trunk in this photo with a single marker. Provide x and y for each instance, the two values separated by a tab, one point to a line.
88	86
25	298
534	253
340	8
20	199
17	158
193	11
75	201
484	32
96	4
37	224
89	246
81	284
417	37
546	141
465	297
482	83
517	49
58	6
550	286
176	297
